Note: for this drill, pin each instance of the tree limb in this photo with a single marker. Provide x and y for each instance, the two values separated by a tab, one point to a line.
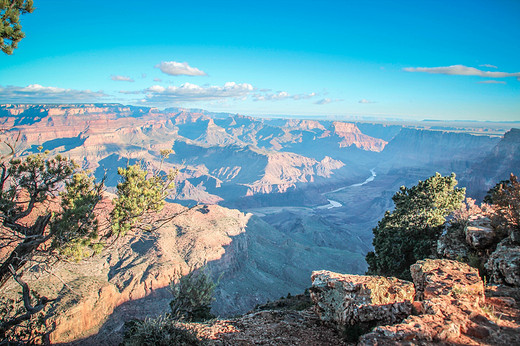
31	310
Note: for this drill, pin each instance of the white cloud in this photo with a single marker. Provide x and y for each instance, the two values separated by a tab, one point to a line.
492	82
303	96
174	68
488	66
326	101
461	70
191	92
127	92
365	101
282	95
323	101
36	93
121	78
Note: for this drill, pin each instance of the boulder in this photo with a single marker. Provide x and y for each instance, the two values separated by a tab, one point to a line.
434	278
504	264
450	293
354	299
479	232
452	243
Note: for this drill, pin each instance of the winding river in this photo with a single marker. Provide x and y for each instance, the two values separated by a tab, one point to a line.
336	204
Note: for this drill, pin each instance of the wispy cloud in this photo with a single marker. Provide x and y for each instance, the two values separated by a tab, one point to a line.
36	93
492	82
191	92
323	101
130	92
326	101
365	101
121	78
157	80
174	68
488	66
282	95
461	70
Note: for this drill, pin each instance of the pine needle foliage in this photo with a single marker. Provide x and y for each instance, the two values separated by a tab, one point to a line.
140	194
192	296
49	212
505	197
409	233
10	28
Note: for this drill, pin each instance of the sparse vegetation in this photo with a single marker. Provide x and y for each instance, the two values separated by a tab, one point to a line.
410	232
192	296
505	197
140	195
159	331
31	224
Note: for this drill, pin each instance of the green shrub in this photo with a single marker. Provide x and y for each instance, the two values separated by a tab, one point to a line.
410	232
158	332
192	296
505	197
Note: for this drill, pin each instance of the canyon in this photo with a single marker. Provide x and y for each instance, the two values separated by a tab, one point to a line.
275	199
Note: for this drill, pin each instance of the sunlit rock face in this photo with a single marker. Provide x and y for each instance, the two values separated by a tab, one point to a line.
444	304
135	272
445	290
360	299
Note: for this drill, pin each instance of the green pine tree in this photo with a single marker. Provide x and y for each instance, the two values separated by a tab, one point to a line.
410	232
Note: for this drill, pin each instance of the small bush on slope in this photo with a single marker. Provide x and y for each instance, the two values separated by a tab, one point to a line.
192	296
160	331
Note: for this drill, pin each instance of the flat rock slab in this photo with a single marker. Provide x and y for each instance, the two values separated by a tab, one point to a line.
436	278
352	299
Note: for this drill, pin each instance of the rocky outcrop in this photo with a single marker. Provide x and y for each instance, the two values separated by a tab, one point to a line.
356	299
449	295
351	135
479	232
442	278
504	264
450	307
487	244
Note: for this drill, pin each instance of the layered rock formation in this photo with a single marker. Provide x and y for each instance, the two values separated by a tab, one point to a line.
351	135
448	307
497	165
105	136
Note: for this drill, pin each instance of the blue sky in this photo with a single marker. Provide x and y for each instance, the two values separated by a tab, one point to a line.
411	59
